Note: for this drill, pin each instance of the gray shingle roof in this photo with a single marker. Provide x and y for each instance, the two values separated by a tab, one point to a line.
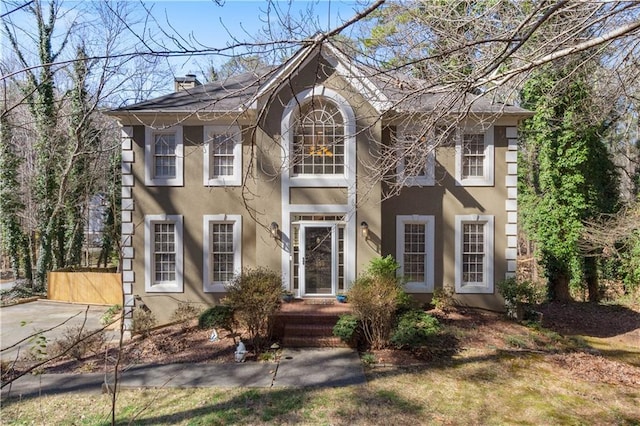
403	94
229	94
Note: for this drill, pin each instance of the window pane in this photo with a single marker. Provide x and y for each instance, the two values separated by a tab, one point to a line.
473	155
222	252
414	251
473	252
222	157
319	140
164	246
165	155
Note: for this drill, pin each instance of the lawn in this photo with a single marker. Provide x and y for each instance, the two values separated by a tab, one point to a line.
499	373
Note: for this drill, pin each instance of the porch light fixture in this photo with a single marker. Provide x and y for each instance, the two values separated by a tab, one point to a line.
364	228
273	230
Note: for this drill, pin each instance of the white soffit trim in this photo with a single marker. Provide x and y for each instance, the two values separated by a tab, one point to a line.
357	79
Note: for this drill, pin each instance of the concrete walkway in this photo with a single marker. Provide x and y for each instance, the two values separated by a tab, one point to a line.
297	368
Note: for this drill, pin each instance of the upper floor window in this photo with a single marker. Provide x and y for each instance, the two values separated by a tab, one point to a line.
164	157
163	260
416	151
222	156
474	157
474	254
318	141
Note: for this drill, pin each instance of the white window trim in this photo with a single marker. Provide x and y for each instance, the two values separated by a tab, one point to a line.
149	151
487	286
430	161
287	126
489	159
219	286
178	285
416	286
236	178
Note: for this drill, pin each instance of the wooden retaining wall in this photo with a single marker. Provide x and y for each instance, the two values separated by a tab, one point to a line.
85	287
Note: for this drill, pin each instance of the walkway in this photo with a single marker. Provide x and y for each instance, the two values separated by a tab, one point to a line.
298	368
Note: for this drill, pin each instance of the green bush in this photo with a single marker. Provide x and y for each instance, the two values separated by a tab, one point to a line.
383	267
346	328
219	316
254	296
414	329
515	291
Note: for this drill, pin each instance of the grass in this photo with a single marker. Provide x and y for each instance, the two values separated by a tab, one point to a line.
471	388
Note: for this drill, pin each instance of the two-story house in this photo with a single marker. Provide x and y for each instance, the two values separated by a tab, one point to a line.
280	168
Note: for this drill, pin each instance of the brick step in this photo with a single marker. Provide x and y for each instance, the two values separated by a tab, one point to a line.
313	342
295	329
294	318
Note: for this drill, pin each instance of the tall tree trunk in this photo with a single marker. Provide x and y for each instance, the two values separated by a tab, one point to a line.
591	276
560	288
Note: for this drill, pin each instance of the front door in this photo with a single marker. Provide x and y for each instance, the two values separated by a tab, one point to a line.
318	259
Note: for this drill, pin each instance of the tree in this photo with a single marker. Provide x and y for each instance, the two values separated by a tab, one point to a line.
10	203
568	175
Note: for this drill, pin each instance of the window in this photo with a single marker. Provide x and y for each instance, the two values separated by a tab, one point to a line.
222	156
222	250
474	254
415	248
318	146
164	157
474	157
164	251
417	157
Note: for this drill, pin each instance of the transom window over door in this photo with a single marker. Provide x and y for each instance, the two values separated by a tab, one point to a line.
319	147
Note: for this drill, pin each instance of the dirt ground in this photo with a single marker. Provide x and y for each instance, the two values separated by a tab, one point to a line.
616	328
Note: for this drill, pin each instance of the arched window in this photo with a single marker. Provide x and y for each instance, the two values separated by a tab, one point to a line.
318	141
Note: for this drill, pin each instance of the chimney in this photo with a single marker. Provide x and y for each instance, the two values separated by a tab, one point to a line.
189	81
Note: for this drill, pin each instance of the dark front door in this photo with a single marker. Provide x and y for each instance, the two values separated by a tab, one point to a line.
318	259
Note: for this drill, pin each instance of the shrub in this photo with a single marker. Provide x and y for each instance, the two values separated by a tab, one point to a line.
109	316
79	342
143	321
383	267
375	298
184	313
414	329
346	328
443	299
518	293
219	316
515	291
254	296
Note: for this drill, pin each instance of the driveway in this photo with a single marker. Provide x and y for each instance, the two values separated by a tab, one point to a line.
18	322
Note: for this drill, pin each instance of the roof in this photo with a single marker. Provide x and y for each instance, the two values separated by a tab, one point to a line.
226	95
386	90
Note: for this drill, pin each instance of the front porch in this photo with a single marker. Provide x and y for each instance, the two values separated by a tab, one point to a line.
309	323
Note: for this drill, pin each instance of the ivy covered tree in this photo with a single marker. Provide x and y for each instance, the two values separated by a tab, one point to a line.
567	175
10	202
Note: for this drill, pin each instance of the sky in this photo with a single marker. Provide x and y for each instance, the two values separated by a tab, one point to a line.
212	25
